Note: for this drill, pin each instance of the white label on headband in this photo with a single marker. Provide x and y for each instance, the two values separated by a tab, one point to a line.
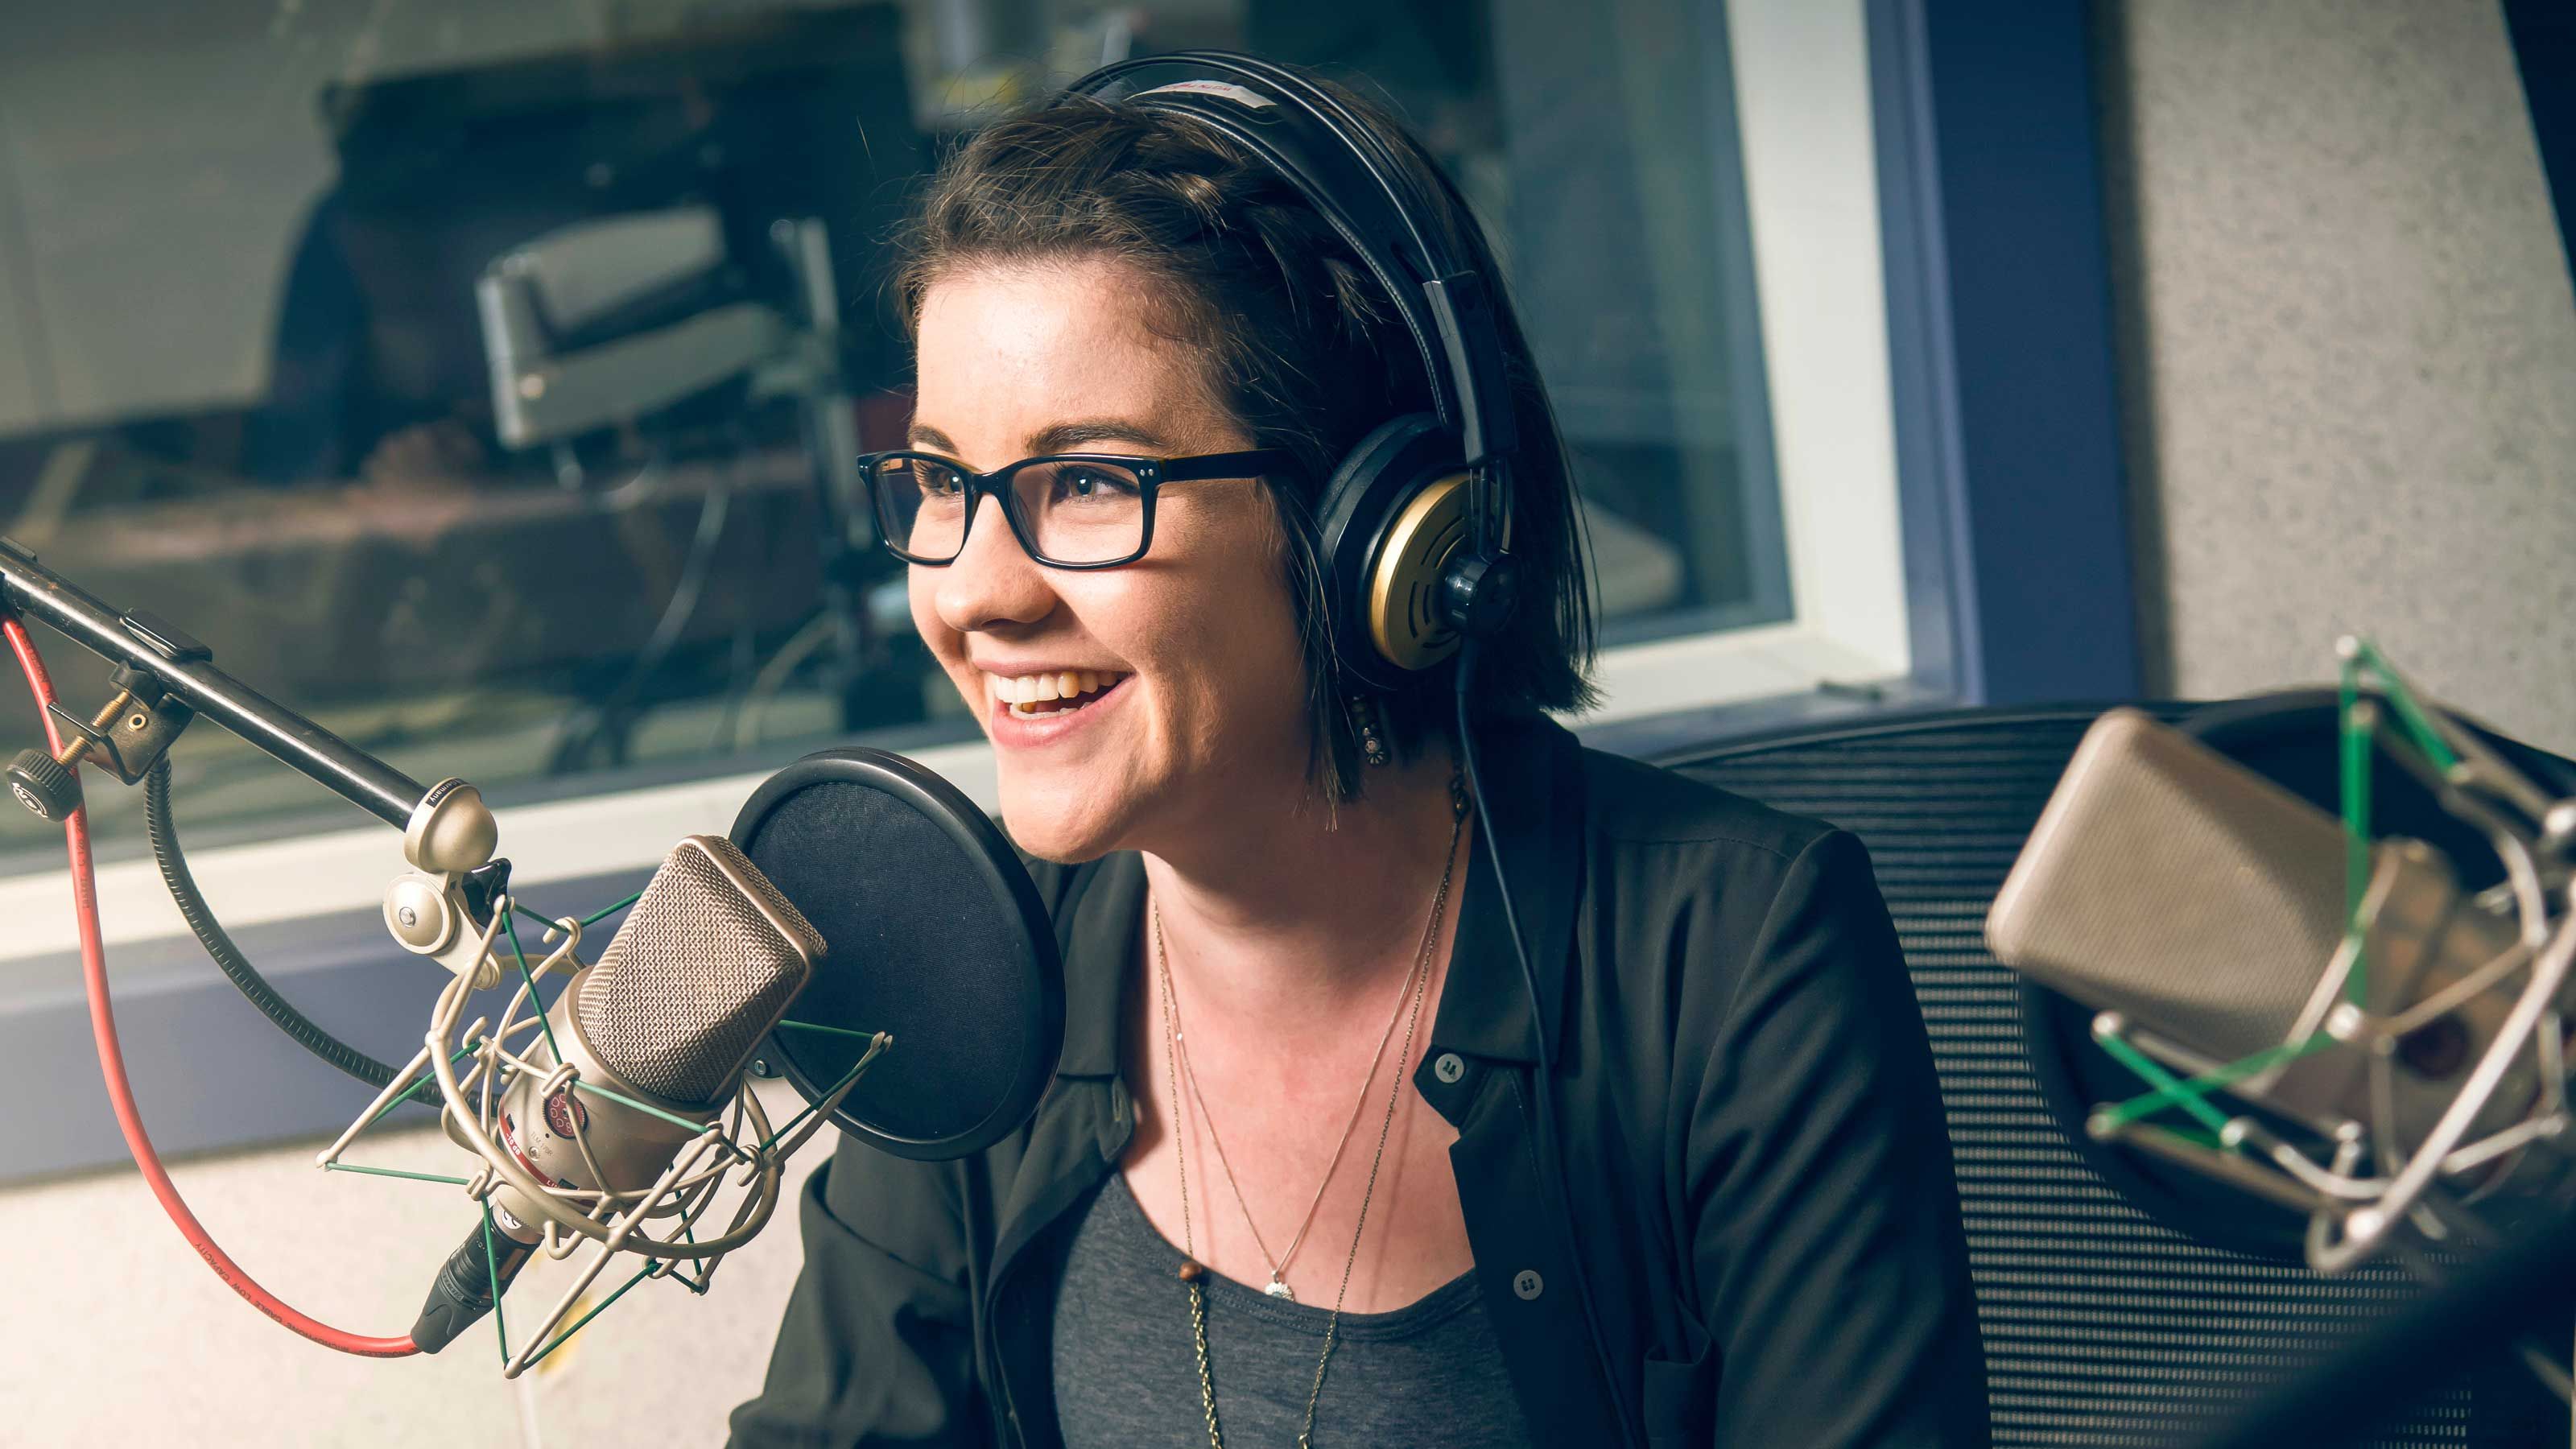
1228	89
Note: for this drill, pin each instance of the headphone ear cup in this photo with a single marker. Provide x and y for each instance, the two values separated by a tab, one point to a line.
1392	515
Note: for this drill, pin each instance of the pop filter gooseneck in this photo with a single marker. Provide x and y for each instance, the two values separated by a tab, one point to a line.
935	935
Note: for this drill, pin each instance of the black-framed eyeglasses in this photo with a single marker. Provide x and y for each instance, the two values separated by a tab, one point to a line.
1068	510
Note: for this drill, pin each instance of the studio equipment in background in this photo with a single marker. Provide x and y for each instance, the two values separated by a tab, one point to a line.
605	322
2323	946
645	266
616	1118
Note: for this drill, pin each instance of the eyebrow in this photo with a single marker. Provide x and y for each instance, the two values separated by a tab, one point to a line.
1064	437
1058	437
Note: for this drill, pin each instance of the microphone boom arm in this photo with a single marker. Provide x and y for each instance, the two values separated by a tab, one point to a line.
447	830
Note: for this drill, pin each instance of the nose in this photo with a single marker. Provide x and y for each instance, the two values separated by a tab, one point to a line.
992	583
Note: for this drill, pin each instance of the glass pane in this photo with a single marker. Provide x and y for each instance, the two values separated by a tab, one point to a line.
480	379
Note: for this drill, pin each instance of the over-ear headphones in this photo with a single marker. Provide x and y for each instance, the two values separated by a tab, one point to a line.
1415	521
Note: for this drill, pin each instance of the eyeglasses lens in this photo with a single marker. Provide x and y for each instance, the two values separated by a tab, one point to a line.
1076	513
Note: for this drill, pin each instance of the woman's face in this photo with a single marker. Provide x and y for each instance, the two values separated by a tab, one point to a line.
1189	704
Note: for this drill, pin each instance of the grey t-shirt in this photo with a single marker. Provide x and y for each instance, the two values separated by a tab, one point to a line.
1126	1372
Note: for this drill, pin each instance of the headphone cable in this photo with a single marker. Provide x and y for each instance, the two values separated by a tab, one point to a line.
1552	1161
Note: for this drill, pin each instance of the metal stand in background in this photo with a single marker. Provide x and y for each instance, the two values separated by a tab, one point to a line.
844	530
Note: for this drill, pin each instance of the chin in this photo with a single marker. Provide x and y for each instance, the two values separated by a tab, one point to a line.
1063	825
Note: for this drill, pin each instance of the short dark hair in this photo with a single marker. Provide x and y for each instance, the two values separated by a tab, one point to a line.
1300	344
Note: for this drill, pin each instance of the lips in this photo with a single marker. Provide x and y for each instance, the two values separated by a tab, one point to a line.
1019	723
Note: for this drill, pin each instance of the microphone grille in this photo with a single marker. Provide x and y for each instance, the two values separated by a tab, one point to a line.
706	963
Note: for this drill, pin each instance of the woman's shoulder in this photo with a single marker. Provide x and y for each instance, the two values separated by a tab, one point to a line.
1691	880
1702	901
1631	803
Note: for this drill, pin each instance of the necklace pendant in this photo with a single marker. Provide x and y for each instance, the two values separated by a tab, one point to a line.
1277	1289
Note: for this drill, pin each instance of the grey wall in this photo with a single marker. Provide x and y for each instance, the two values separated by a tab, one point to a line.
2350	350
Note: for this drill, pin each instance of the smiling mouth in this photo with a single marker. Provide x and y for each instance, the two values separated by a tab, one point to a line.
1039	696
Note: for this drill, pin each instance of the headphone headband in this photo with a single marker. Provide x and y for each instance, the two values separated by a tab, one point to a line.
1347	174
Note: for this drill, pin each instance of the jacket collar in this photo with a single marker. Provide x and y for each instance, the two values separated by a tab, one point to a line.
1534	785
1099	930
1533	771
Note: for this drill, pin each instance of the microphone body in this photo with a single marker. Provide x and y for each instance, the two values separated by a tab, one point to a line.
576	1139
2206	906
705	964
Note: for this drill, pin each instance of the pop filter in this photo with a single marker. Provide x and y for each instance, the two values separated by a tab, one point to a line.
934	934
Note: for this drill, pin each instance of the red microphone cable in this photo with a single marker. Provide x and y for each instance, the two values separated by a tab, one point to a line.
111	1058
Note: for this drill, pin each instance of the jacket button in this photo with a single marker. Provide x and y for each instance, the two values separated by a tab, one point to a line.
1528	1284
1449	1069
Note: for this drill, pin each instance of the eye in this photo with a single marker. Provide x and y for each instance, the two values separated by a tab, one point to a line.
1091	483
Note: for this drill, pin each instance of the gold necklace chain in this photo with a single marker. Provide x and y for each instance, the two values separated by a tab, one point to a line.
1278	1285
1417	985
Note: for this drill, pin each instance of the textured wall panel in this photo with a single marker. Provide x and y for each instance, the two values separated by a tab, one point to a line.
2349	346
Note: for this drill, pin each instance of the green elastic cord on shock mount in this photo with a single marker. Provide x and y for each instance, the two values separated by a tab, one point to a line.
2356	733
596	1309
878	1041
510	924
2189	1094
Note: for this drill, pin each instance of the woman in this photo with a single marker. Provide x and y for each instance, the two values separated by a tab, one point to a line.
1290	1185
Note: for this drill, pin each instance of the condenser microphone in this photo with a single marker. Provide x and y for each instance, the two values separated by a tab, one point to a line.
943	958
703	967
2206	906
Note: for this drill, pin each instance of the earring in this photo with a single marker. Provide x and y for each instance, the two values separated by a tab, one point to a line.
1368	726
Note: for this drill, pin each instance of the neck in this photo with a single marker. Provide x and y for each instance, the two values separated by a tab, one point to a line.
1274	920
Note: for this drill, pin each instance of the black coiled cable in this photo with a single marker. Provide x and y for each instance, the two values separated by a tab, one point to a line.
236	967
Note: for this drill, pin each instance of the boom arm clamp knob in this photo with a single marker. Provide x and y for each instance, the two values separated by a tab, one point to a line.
45	785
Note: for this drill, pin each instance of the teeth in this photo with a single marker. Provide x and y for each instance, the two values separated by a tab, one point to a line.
1021	691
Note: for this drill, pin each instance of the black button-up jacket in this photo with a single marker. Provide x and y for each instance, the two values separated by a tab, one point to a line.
1752	1136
